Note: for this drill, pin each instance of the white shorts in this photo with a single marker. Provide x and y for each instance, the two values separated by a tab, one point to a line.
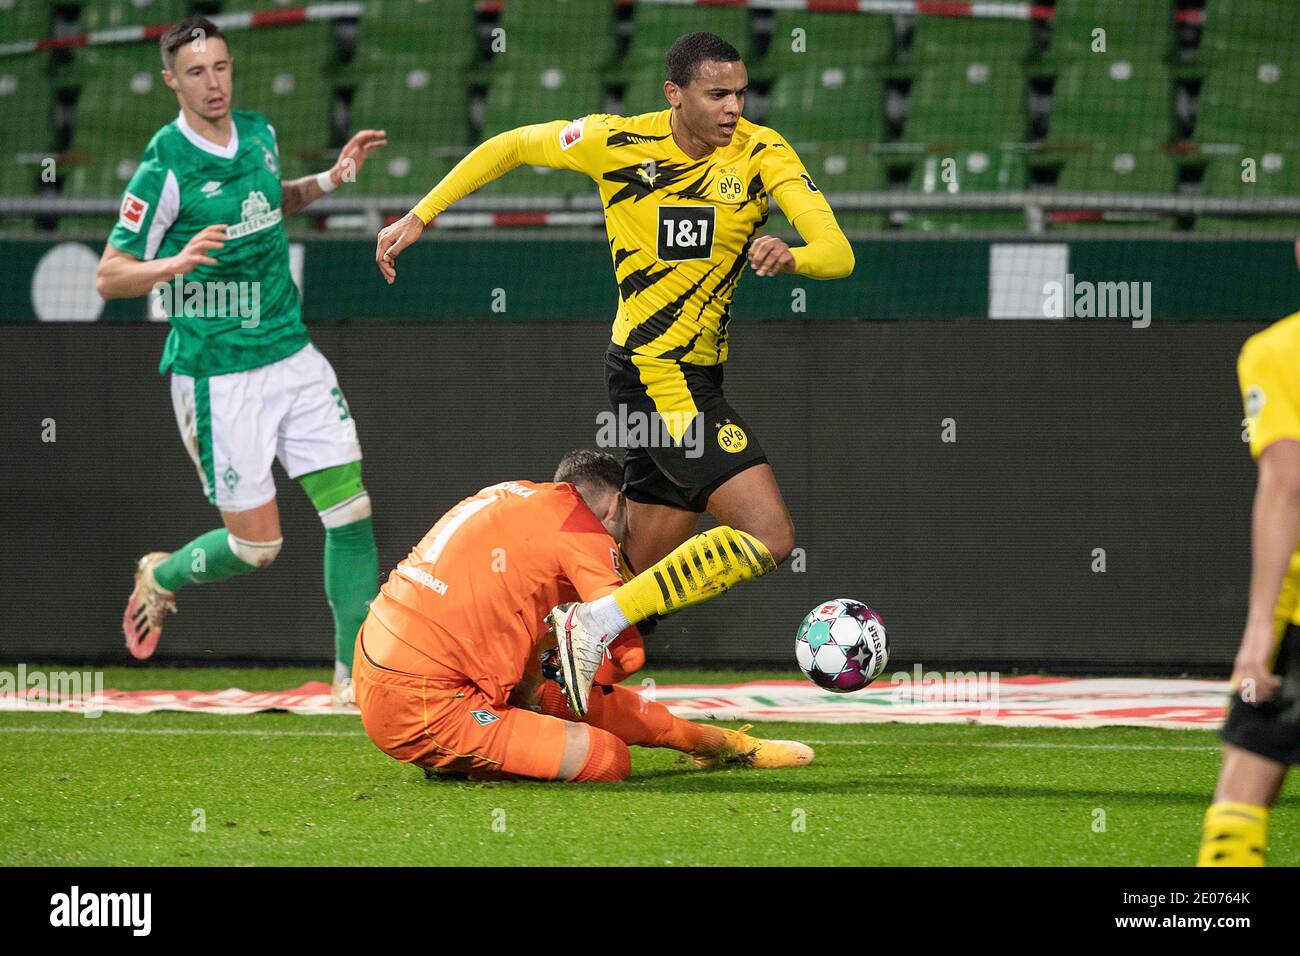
235	425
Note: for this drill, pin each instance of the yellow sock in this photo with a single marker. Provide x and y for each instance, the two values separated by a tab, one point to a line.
700	568
1235	835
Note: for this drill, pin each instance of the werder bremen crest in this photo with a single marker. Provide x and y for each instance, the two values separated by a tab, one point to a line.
255	214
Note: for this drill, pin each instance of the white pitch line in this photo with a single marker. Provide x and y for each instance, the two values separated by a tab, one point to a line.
1007	745
242	732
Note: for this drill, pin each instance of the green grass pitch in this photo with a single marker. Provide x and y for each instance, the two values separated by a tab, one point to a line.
280	789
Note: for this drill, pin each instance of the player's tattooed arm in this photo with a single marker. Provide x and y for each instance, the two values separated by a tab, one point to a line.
121	275
298	194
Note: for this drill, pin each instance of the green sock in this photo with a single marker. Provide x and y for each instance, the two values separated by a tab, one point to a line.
351	580
206	559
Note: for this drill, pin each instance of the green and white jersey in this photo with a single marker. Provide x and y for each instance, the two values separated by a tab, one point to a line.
243	312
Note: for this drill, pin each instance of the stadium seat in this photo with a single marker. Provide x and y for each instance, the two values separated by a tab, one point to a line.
281	72
26	104
436	34
969	171
968	103
1240	102
257	6
122	102
414	104
405	169
828	38
1276	174
1236	28
113	14
645	90
1112	100
943	39
828	102
1134	31
1116	169
655	26
26	20
844	166
532	33
537	90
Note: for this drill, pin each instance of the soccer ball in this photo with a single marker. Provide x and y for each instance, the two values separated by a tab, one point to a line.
841	645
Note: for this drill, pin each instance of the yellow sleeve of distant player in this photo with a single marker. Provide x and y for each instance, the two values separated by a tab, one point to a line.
1269	400
560	145
826	253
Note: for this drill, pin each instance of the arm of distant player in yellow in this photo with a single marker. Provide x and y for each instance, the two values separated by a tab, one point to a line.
488	161
826	253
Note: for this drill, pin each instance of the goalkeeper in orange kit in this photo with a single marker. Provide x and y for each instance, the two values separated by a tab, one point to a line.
448	672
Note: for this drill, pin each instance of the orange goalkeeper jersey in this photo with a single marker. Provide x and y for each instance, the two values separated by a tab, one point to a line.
471	597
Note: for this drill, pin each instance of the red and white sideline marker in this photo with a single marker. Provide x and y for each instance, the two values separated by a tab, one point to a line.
226	21
335	11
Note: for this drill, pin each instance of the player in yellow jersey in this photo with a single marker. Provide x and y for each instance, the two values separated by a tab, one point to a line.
1261	735
685	193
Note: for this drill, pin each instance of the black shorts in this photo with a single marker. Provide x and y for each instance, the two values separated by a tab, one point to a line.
1271	729
682	438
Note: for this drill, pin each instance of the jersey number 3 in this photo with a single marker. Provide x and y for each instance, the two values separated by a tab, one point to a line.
686	232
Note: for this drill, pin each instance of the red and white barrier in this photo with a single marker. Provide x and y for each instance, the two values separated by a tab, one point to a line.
226	21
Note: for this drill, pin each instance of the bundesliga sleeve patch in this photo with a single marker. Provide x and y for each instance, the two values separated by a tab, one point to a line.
133	210
572	133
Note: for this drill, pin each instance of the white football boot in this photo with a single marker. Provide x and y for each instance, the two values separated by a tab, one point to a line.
579	653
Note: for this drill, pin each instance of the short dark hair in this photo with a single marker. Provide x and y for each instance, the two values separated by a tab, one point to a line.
691	50
591	470
186	31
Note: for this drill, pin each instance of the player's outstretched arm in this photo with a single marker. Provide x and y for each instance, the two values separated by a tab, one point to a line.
298	194
542	144
1275	527
121	275
826	253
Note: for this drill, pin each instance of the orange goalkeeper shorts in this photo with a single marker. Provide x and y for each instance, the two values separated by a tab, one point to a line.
448	724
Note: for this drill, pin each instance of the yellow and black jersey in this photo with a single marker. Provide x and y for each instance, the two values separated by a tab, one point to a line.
679	228
1270	390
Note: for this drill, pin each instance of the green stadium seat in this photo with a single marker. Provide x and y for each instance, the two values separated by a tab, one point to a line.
121	103
1112	100
1243	101
26	103
540	89
969	171
437	34
1236	28
941	39
1134	31
113	14
405	169
834	38
281	72
414	104
1276	174
645	90
828	102
1132	168
25	20
258	6
531	32
968	103
842	166
655	26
